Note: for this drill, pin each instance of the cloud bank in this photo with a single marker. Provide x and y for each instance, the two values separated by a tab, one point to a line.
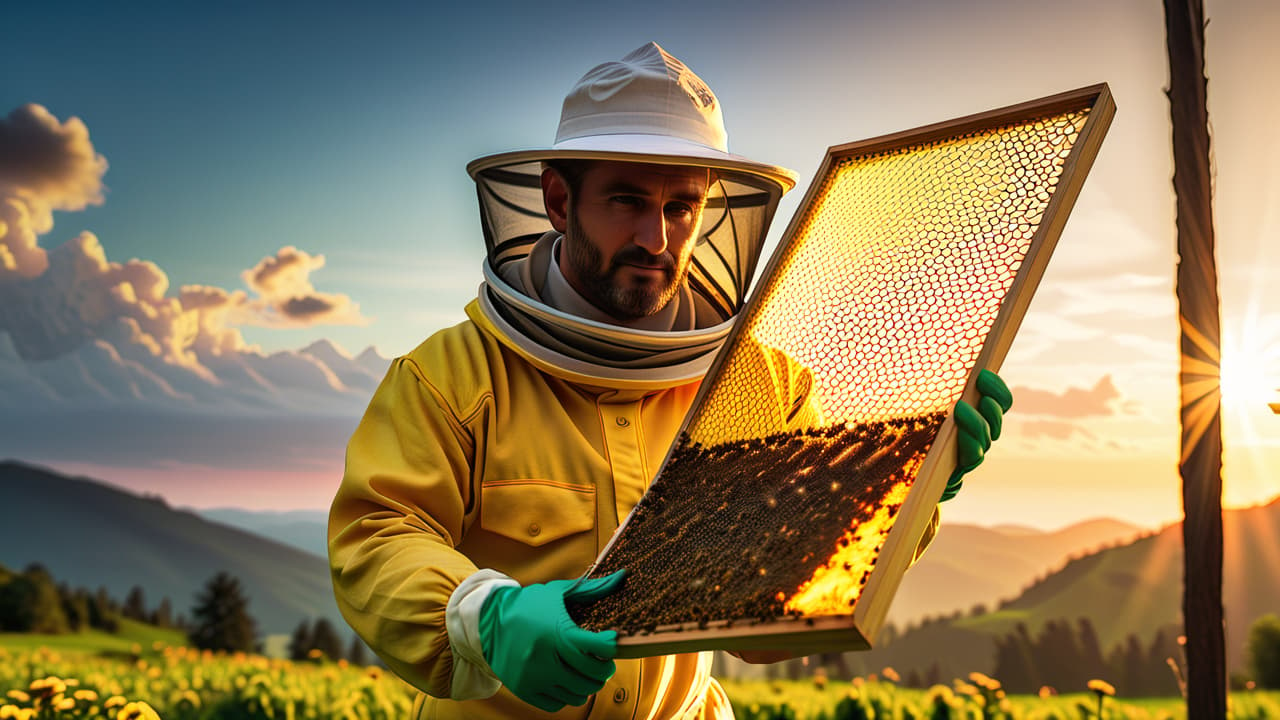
78	330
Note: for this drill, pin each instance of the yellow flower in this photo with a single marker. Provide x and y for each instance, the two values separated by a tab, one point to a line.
19	696
137	711
64	704
86	695
1047	692
983	681
8	711
113	701
890	674
1102	687
47	687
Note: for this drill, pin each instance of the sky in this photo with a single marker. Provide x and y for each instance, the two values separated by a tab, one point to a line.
266	176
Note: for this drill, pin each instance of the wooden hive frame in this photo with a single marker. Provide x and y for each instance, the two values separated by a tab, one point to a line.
856	630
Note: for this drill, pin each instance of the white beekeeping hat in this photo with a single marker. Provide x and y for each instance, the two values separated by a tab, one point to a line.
647	107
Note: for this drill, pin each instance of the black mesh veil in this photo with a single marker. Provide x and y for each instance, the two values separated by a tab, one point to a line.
739	208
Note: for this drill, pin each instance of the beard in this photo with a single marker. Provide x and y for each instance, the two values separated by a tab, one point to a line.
599	280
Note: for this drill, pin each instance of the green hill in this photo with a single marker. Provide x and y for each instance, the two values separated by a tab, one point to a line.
1133	588
968	565
88	534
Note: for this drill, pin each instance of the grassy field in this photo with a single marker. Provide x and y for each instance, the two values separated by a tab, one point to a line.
122	679
130	633
979	699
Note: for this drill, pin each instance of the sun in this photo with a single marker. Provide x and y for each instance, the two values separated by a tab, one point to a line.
1250	377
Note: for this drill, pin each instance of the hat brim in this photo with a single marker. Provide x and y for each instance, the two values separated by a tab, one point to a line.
657	149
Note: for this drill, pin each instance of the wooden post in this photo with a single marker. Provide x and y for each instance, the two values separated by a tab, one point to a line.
1198	314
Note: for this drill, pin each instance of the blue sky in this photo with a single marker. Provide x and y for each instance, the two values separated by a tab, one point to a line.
234	130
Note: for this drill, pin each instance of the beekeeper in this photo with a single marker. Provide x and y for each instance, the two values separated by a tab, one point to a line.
496	459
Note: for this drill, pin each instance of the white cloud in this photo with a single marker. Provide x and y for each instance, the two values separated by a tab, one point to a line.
45	165
288	299
78	330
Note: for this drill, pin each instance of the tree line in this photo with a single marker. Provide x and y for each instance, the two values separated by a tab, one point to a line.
31	601
1066	655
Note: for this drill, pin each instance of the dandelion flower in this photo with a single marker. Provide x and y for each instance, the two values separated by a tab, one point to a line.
1102	687
1047	691
137	711
19	696
113	701
965	688
8	711
1103	690
87	695
64	704
890	674
984	681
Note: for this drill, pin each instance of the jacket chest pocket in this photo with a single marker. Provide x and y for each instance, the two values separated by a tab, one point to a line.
536	512
534	530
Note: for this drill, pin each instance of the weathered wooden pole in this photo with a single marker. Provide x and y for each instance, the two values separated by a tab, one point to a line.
1198	314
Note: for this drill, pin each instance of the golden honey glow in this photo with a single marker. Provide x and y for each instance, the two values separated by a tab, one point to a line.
833	590
885	294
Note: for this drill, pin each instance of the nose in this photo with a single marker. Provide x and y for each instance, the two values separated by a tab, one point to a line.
651	231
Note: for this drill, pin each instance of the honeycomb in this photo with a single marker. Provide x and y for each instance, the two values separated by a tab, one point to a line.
778	495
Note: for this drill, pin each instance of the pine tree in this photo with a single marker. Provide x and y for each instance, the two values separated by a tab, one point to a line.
1157	677
162	616
104	612
356	654
1264	651
75	604
1090	648
220	618
135	605
35	604
300	641
325	639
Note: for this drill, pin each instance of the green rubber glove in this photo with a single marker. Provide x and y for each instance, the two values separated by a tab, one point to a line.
538	652
978	427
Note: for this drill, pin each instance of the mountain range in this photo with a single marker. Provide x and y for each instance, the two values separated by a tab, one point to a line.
87	534
1131	588
111	371
965	566
1124	579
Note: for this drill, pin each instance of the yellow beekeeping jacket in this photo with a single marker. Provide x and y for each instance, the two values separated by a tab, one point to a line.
471	457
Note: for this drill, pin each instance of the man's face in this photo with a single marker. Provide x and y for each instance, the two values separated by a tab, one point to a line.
629	234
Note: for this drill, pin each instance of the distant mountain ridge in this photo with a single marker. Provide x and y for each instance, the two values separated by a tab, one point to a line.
303	529
88	534
110	370
1130	588
969	565
966	565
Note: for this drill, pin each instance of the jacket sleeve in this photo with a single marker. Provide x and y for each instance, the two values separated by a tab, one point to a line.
395	521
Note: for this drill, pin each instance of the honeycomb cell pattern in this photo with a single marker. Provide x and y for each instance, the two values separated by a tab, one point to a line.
777	498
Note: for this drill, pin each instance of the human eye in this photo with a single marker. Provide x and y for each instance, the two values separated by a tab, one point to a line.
628	201
680	209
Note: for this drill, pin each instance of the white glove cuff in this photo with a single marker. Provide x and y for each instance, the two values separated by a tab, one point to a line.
473	679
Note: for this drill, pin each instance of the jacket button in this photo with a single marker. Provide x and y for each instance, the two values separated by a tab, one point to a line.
623	422
534	528
620	695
